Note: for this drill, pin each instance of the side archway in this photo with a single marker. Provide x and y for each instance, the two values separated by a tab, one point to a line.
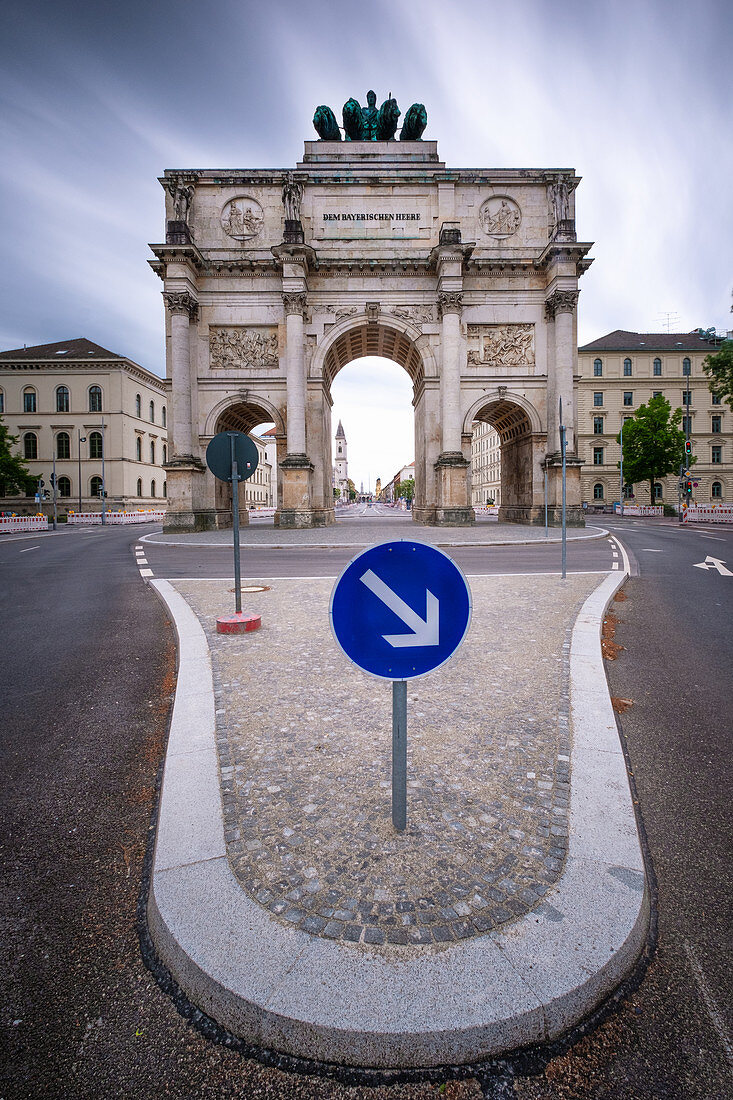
241	413
523	445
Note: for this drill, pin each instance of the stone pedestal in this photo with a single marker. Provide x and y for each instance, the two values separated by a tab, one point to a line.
295	504
453	510
185	485
574	516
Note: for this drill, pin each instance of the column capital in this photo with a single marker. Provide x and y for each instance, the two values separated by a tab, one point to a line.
181	302
450	302
560	301
294	303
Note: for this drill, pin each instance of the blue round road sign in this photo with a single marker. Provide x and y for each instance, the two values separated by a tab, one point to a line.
400	609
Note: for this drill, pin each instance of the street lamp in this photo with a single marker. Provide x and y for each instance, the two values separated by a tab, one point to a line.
82	439
104	487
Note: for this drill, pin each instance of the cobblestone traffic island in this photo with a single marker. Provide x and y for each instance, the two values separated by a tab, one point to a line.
304	743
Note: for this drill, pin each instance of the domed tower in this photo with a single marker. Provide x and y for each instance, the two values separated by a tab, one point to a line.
341	465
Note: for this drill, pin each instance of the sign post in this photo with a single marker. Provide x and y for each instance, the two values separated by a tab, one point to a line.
232	457
564	483
400	610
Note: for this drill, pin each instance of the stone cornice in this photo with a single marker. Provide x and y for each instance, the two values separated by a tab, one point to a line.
177	253
103	366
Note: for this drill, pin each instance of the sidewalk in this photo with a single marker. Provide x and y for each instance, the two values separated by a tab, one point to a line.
287	908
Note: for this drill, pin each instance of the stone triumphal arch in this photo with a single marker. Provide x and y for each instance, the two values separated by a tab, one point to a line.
468	279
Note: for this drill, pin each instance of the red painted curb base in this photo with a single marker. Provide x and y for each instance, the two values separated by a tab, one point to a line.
238	623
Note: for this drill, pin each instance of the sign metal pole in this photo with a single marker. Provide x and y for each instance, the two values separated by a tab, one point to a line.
545	501
621	475
104	486
564	532
399	754
55	509
235	523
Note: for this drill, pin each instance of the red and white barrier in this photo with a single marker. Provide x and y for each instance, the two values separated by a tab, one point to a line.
23	523
639	509
486	509
79	519
708	513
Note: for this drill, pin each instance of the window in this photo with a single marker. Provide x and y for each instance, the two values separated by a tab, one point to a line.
627	368
628	397
717	490
597	425
686	398
598	491
152	488
95	446
598	398
165	454
138	405
30	444
152	451
716	455
165	488
162	415
715	424
687	425
598	456
95	486
95	399
63	445
139	486
152	412
657	491
686	366
29	400
597	368
139	449
716	399
64	487
2	402
628	492
62	399
657	368
656	393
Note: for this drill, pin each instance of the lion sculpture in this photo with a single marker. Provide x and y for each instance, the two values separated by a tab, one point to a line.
326	125
416	119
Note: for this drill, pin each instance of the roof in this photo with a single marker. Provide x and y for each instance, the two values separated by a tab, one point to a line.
340	433
270	433
622	340
70	349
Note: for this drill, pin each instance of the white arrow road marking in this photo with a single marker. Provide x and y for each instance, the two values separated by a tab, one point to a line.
713	563
426	631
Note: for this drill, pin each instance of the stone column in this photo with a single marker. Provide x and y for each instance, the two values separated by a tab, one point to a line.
559	312
452	467
564	303
183	309
295	507
295	370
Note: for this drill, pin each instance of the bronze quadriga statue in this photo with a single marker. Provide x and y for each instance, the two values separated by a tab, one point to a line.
368	123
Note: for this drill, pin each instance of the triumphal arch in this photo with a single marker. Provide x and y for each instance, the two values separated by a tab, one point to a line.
467	278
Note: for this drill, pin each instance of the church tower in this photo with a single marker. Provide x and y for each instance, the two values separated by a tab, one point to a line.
341	465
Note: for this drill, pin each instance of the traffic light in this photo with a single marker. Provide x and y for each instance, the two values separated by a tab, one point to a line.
688	447
52	480
688	488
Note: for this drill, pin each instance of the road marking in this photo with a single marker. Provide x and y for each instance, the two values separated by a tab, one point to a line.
146	572
713	537
615	543
649	550
27	549
142	561
713	563
713	1012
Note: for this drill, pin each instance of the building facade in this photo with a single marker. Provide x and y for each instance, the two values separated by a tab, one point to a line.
485	465
258	488
275	279
623	370
80	404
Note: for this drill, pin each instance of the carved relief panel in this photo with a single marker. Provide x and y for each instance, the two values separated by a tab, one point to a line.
510	345
237	348
500	217
242	218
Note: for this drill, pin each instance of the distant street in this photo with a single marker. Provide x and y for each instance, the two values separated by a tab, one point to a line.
86	684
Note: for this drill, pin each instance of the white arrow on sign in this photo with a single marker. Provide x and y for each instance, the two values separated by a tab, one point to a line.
714	563
425	631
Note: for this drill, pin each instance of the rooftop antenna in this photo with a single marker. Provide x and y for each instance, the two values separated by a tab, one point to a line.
669	320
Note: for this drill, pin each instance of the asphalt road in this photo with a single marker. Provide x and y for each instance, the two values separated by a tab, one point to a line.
86	682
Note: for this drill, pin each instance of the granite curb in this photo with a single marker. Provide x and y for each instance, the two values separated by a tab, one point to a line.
392	1008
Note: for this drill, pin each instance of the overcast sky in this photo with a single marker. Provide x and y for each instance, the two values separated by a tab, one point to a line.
97	99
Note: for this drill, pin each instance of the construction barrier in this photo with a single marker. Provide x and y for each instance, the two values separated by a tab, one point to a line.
708	513
486	509
84	518
639	509
23	523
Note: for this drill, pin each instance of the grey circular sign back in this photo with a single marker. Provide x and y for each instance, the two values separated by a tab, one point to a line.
219	456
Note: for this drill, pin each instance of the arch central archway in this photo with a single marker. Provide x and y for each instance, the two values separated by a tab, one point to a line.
401	343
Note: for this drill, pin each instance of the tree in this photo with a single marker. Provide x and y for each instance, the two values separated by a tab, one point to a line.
352	489
406	489
719	368
653	443
14	473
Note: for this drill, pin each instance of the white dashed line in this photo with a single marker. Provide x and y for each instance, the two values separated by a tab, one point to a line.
146	572
713	1011
142	561
27	549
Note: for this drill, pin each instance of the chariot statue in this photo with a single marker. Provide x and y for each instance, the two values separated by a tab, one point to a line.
369	123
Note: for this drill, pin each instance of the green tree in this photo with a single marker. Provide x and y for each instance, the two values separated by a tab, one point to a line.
719	368
653	443
352	489
14	473
406	489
